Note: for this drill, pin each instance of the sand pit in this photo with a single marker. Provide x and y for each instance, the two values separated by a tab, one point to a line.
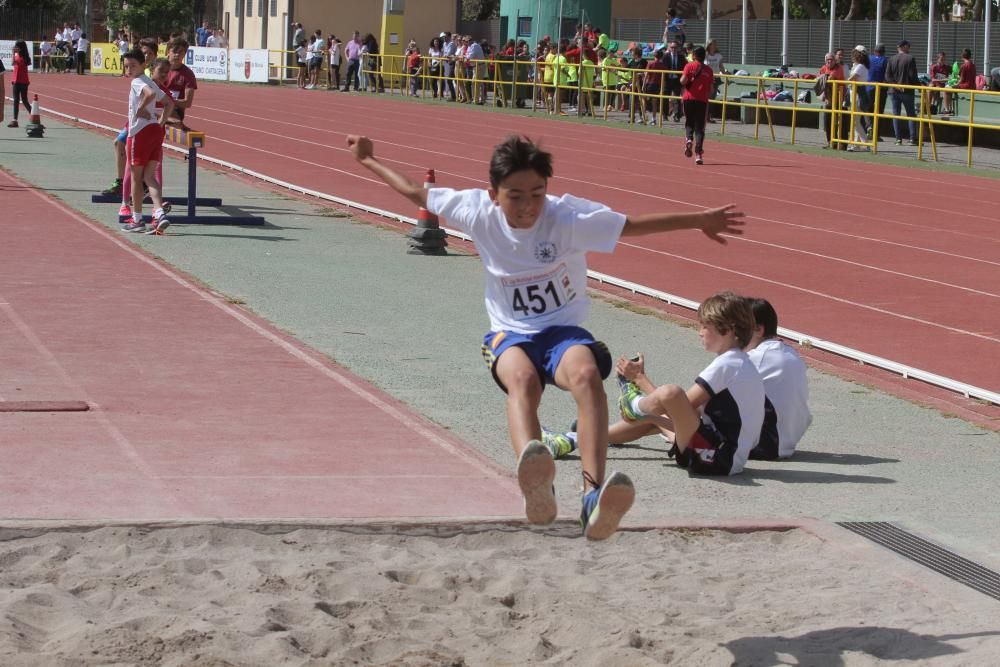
474	595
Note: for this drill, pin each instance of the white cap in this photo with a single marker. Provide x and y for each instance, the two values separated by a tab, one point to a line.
442	35
861	48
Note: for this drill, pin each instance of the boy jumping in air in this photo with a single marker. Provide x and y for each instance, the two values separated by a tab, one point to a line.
144	146
533	247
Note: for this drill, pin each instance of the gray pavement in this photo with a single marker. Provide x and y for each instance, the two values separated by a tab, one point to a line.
412	325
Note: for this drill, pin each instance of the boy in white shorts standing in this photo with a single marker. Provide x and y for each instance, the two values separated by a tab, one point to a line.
784	375
718	420
533	247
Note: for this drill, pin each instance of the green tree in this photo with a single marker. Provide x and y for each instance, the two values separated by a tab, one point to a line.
152	17
479	10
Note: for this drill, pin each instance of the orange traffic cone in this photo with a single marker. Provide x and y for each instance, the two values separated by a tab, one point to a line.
427	238
35	127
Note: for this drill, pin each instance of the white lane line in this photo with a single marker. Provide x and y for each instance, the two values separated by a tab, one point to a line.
866	266
822	295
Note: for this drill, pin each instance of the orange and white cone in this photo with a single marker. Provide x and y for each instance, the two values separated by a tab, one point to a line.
427	238
34	127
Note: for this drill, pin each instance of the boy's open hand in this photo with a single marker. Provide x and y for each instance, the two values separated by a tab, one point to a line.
630	369
361	147
716	221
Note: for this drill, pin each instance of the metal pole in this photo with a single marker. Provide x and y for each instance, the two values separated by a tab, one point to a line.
538	24
833	17
784	33
878	22
743	47
930	34
708	21
559	23
986	43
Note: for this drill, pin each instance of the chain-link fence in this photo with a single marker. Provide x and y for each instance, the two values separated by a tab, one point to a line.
808	41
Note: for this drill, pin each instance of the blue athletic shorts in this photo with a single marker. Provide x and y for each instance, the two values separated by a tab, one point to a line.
122	136
545	349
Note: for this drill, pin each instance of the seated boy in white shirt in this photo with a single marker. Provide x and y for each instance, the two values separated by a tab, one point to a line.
784	375
718	420
533	247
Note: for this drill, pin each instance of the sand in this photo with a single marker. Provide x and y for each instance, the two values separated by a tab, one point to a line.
475	595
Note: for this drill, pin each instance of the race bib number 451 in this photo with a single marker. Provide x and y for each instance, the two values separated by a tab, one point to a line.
539	294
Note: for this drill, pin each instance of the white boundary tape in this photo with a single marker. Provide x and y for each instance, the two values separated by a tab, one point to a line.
907	372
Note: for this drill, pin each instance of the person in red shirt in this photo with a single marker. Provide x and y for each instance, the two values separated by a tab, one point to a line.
19	87
967	72
939	77
697	80
652	84
413	67
834	71
181	81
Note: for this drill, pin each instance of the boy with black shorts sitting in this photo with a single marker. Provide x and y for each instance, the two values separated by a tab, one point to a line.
718	420
533	247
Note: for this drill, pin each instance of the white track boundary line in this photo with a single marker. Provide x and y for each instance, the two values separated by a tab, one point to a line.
907	372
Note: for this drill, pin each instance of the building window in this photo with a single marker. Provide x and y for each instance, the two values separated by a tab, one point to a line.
249	7
239	8
274	7
524	26
260	7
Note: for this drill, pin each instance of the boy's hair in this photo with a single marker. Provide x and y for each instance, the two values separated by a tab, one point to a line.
158	63
150	43
728	311
699	53
134	54
178	44
764	315
515	154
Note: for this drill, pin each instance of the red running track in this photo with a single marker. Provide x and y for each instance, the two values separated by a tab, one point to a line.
247	424
896	262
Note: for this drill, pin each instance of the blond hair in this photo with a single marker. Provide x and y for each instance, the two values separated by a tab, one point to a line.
728	311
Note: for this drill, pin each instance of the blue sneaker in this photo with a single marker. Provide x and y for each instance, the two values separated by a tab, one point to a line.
133	224
559	444
629	392
536	471
604	507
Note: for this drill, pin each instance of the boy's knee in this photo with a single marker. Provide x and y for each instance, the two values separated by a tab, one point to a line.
667	394
586	377
523	382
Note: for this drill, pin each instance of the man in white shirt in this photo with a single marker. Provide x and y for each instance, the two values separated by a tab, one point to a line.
316	59
45	49
785	383
74	37
82	48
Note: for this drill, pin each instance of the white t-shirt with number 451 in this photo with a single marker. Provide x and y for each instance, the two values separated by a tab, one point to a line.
535	278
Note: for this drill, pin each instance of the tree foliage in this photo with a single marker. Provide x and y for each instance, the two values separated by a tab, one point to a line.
152	17
860	10
479	10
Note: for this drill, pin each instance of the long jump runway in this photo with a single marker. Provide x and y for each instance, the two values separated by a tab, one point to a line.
895	262
197	409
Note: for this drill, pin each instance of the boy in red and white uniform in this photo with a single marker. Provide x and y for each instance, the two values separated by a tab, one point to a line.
144	145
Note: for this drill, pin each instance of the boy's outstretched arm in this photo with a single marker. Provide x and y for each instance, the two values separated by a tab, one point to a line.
364	152
712	222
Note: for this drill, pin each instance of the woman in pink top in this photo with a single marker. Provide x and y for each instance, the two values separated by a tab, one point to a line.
697	80
19	89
